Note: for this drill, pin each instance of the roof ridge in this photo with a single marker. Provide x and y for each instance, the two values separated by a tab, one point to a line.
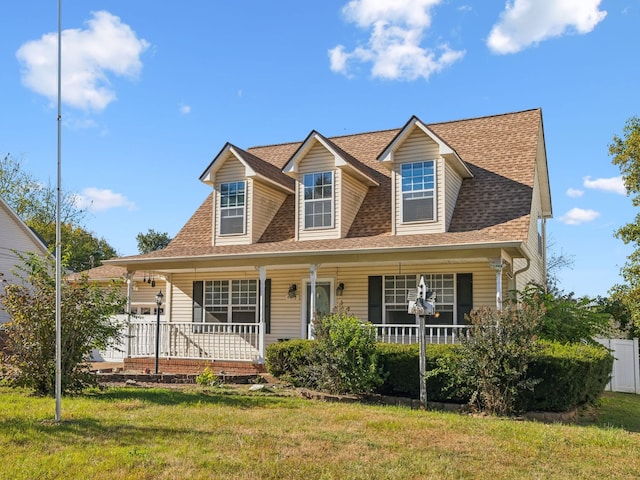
384	130
481	117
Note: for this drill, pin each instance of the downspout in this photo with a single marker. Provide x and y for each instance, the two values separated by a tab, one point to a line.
544	253
522	270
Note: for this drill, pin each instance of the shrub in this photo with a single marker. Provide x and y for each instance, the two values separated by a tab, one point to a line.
207	378
490	367
345	358
288	359
401	367
572	374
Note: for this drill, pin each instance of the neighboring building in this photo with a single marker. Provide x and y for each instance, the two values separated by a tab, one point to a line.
290	230
15	236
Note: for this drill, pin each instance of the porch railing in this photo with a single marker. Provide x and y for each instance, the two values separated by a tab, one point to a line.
408	334
211	341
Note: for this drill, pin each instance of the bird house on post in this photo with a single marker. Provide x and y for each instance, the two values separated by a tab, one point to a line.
422	302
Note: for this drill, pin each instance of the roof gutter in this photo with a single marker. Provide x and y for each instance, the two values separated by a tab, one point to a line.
314	253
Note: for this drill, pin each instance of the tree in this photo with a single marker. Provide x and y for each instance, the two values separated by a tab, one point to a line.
87	312
36	204
152	241
626	155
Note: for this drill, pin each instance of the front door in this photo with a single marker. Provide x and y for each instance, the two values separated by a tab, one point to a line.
323	300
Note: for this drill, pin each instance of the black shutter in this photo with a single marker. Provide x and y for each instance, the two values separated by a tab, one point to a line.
267	305
375	299
198	296
464	296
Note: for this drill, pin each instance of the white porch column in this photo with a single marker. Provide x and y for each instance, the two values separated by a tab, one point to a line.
312	301
497	265
262	272
127	350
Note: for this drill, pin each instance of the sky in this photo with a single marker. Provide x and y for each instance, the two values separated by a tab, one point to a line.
151	91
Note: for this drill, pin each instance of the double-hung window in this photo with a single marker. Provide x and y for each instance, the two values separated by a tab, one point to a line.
396	297
231	301
418	191
232	208
318	200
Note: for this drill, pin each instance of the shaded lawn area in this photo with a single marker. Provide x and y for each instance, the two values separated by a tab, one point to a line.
135	433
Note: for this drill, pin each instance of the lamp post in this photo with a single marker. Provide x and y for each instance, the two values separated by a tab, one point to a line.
159	298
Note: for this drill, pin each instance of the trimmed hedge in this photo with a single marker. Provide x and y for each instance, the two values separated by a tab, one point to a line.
571	374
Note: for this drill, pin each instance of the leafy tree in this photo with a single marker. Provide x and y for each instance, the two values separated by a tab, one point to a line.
152	241
36	204
86	317
566	319
626	155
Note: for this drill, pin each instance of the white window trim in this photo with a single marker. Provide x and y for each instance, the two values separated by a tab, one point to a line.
417	276
244	210
229	305
333	196
435	193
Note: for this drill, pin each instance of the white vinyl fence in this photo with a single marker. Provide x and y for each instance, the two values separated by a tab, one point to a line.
625	376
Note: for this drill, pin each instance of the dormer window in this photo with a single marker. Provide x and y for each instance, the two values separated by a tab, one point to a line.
318	200
232	208
418	191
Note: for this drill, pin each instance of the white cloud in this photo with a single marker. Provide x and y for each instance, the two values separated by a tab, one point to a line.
527	22
574	192
394	47
106	47
100	200
612	185
184	109
576	216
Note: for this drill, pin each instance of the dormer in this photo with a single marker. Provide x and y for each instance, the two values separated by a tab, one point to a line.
330	187
426	176
247	194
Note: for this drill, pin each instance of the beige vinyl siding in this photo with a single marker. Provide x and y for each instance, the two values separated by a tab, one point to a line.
266	203
418	147
288	315
452	184
12	237
535	272
353	193
318	159
232	171
144	293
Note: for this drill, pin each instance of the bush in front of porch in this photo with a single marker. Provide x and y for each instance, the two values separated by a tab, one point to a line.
343	359
571	374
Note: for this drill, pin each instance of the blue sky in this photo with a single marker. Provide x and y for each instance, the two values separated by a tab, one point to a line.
152	91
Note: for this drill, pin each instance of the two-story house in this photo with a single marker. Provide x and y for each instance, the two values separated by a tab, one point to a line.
290	230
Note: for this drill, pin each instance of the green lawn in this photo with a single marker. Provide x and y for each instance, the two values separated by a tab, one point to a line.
136	433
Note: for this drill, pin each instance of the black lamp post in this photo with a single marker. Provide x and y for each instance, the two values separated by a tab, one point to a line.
159	298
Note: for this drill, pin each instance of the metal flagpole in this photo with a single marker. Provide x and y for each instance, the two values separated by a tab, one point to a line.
58	231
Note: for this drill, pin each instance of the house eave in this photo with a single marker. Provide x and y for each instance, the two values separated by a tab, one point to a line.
435	252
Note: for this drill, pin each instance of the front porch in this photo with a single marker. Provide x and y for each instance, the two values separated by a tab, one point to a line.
188	347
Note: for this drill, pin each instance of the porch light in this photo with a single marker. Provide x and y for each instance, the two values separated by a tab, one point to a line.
292	293
159	298
340	289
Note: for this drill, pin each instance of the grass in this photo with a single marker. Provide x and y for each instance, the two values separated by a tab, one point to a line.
135	433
